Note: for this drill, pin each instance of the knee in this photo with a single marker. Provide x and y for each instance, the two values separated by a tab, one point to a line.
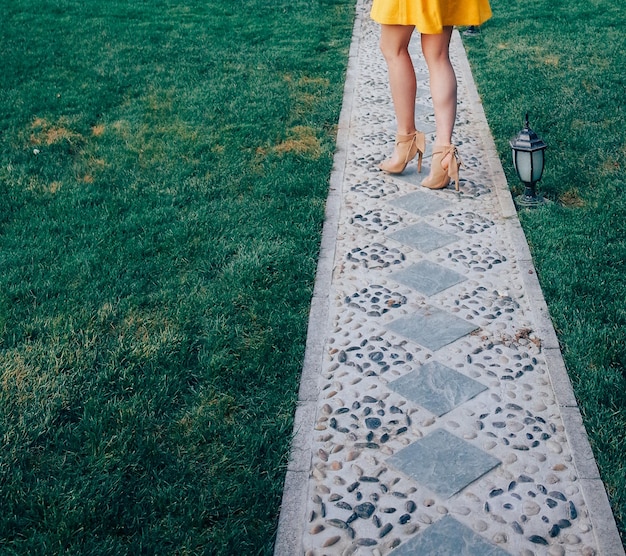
393	52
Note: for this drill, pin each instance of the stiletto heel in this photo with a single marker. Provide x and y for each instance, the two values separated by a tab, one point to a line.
407	147
439	176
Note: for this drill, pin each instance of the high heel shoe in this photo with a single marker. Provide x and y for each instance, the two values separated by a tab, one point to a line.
439	176
407	146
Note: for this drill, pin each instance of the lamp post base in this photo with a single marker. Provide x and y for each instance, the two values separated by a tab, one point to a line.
528	201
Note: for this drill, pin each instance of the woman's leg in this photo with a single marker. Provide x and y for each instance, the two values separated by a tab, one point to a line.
394	44
443	84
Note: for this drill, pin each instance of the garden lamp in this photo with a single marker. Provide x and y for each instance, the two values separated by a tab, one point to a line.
528	151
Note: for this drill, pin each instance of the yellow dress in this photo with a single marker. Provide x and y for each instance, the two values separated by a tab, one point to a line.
430	16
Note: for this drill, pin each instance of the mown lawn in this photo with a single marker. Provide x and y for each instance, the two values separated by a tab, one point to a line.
163	172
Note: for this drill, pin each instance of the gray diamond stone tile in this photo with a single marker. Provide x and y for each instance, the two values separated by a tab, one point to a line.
420	203
428	278
423	237
437	388
448	537
443	462
432	328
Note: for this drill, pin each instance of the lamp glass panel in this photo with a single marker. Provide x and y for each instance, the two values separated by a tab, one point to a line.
537	164
522	160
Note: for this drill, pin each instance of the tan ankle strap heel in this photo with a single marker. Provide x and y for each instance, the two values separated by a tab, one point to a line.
439	176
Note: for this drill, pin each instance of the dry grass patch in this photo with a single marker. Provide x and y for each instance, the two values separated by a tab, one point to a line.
302	141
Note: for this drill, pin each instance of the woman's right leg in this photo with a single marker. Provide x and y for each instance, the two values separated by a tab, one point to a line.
443	89
443	86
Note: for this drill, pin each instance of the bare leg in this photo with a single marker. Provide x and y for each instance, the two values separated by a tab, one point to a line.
443	86
394	44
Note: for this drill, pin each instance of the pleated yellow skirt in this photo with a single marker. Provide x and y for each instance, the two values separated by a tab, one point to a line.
430	16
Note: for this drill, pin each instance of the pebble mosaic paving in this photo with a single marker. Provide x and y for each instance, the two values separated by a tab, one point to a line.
437	430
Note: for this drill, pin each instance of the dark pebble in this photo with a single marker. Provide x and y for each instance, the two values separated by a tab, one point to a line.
525	479
366	479
385	530
564	523
365	510
369	399
410	506
395	409
517	528
554	531
388	510
551	503
538	540
573	514
495	492
337	523
352	518
376	521
353	487
342	410
366	542
344	506
542	489
512	485
369	445
398	494
373	423
558	495
405	518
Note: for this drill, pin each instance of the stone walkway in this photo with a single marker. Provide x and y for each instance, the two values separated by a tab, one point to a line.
435	415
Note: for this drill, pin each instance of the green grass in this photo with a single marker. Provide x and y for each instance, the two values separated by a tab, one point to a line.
163	172
563	62
157	254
